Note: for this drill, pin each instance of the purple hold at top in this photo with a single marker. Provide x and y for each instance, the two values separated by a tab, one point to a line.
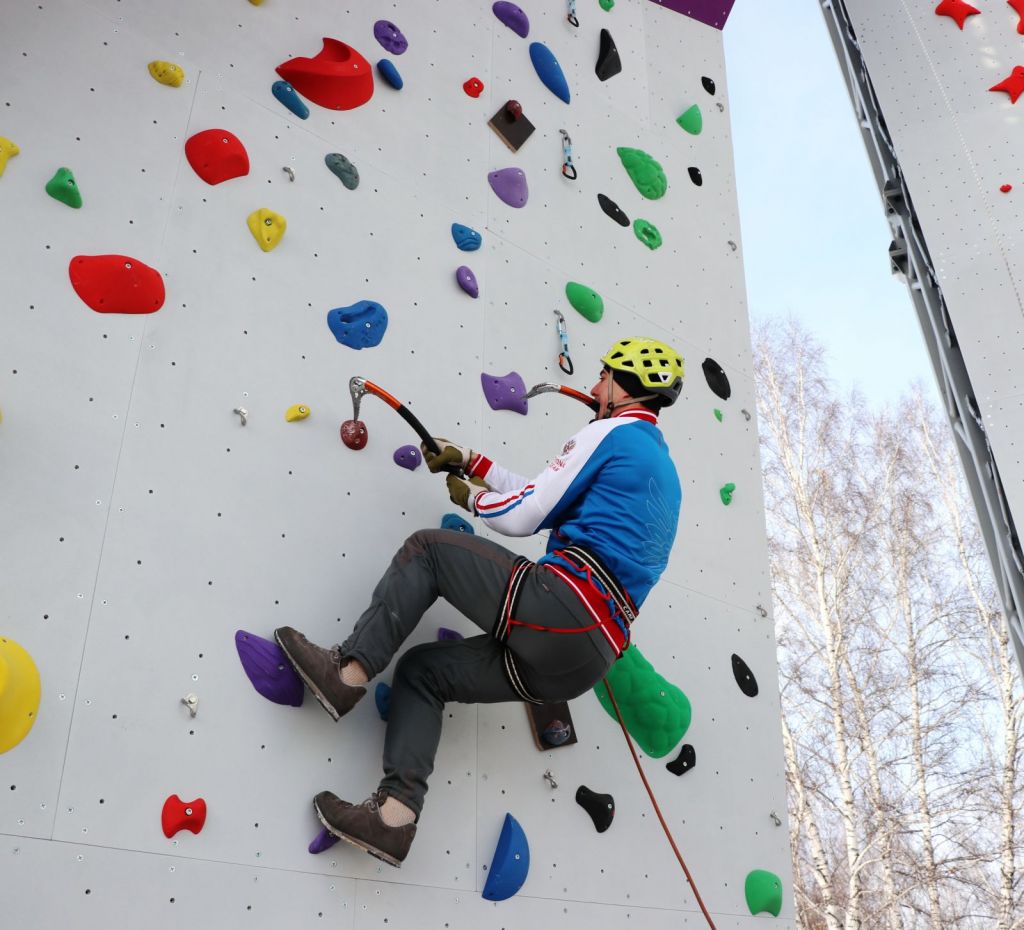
513	17
505	393
510	186
390	36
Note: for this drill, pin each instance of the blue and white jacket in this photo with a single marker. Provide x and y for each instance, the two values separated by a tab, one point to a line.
613	489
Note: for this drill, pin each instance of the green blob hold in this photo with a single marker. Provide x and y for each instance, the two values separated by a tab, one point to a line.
656	712
764	892
692	121
62	187
586	301
606	5
647	233
718	415
644	172
726	493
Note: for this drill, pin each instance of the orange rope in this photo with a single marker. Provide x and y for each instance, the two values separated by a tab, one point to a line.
657	810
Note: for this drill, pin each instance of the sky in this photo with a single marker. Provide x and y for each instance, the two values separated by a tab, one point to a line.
815	238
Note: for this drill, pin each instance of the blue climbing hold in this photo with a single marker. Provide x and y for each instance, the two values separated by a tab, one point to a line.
382	697
452	521
444	635
549	70
290	98
389	72
510	864
360	326
468	240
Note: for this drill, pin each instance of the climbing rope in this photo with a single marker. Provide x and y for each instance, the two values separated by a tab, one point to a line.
657	810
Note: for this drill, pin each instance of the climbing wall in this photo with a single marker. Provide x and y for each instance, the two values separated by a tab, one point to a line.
156	499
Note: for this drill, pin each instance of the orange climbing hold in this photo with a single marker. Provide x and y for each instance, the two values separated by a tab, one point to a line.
338	78
956	10
179	815
116	283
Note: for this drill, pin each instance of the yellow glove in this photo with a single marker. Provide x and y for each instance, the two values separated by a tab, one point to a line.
463	491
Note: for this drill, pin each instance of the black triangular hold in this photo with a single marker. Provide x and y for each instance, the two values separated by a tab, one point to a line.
695	176
744	676
613	210
716	378
685	761
608	62
601	807
709	85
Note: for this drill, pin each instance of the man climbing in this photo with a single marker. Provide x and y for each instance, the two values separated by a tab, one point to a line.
611	501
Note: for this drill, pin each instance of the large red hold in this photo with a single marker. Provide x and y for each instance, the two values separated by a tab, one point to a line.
181	815
116	284
217	155
338	78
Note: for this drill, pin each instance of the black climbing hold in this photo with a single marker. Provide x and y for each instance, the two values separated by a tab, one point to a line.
613	210
709	85
744	676
695	176
685	761
608	61
716	378
601	807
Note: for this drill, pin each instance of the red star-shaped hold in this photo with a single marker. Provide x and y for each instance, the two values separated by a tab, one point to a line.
1013	85
1018	8
959	11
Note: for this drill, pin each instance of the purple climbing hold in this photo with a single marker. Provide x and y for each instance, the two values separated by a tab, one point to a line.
513	17
323	841
360	326
408	457
446	635
505	393
268	669
390	36
510	185
467	280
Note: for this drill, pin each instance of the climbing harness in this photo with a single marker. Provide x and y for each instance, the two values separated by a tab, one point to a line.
568	168
564	362
573	21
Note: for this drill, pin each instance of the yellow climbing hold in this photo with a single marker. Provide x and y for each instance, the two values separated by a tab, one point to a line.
7	150
167	72
19	693
267	227
256	2
296	412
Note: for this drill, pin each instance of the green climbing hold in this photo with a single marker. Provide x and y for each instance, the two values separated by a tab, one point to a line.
764	892
656	712
718	415
647	233
726	493
62	187
588	302
692	121
644	172
606	5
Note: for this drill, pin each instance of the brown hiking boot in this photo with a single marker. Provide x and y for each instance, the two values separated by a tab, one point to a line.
362	826
320	669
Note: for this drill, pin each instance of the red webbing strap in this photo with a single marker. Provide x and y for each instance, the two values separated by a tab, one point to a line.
657	810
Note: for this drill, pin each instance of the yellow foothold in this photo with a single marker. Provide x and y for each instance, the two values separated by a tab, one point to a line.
296	412
19	693
256	2
7	150
267	227
167	72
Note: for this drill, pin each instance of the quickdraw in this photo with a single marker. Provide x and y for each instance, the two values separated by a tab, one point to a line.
563	356
572	14
568	168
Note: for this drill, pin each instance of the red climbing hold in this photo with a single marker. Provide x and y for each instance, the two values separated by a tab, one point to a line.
217	155
354	435
1006	188
956	10
177	815
116	284
338	78
1018	8
1012	85
474	87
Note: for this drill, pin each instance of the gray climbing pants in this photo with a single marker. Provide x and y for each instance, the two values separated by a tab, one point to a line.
470	573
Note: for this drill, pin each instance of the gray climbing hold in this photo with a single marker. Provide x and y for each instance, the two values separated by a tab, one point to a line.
510	185
506	392
343	168
359	326
467	280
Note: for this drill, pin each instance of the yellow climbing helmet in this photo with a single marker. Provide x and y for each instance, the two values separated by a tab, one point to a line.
658	367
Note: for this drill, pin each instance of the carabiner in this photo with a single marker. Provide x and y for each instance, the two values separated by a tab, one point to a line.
572	14
567	165
563	334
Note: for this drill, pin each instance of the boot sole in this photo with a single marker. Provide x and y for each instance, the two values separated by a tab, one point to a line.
309	683
353	841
